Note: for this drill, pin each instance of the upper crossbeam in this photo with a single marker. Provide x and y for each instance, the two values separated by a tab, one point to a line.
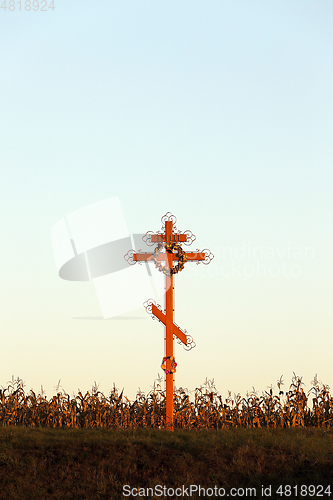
157	238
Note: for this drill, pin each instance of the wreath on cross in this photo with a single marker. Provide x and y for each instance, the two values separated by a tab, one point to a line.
173	365
170	247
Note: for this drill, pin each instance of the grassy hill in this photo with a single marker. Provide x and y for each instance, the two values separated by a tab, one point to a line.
45	463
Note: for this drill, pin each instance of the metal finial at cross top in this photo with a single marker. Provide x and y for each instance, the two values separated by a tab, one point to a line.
169	249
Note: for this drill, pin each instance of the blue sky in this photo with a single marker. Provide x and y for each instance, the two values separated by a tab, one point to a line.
219	112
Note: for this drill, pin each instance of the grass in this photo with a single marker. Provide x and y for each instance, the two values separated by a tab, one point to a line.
42	463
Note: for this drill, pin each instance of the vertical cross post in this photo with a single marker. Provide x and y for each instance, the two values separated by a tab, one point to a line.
169	330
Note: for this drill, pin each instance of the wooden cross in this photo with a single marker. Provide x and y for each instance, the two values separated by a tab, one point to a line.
169	240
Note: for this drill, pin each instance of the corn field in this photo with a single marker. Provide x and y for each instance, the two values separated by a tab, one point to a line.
207	410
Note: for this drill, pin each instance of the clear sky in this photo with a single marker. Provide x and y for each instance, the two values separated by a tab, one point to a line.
220	112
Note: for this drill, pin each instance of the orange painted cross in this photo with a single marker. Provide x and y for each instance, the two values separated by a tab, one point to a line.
168	250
